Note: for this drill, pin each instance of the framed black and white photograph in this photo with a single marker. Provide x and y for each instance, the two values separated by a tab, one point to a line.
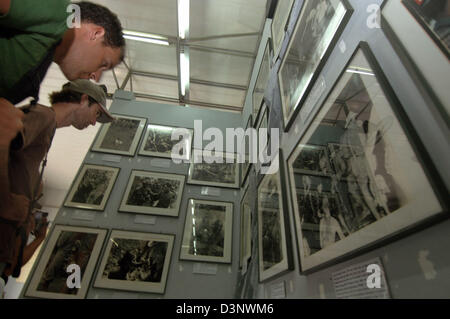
318	28
247	142
158	142
213	170
208	231
121	136
153	193
373	196
136	262
273	229
246	229
279	23
261	81
313	159
92	187
419	31
65	246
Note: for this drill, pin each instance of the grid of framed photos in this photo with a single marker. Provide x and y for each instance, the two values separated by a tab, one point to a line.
317	30
136	262
275	255
207	231
214	169
65	246
121	136
376	172
153	193
92	187
158	142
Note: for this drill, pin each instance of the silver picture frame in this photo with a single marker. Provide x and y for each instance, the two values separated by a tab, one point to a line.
158	142
316	32
135	261
208	231
92	187
213	169
245	251
279	23
153	193
120	136
261	82
64	246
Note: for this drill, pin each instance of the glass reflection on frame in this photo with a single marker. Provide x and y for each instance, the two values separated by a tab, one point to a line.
377	177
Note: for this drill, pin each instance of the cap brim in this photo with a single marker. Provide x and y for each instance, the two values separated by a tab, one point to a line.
105	117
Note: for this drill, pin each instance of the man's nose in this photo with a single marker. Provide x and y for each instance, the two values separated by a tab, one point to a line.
96	76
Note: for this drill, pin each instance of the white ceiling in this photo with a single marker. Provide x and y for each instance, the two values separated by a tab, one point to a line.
220	66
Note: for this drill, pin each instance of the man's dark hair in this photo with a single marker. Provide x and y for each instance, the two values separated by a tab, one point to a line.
103	17
68	96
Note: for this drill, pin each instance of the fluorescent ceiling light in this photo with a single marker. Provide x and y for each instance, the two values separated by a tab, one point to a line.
349	70
185	73
183	18
145	37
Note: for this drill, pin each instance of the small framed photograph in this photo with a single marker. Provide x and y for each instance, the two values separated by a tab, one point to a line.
279	23
275	255
208	231
246	229
136	262
158	142
318	28
410	25
66	246
261	81
92	187
372	197
213	169
121	136
313	159
247	141
153	193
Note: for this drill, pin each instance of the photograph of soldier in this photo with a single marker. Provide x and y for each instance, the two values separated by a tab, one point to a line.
120	134
153	192
92	186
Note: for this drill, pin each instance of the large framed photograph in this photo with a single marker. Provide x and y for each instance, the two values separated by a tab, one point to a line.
246	229
318	28
65	246
261	81
136	262
273	228
279	22
381	168
158	142
313	159
153	193
92	187
208	231
419	31
213	170
121	136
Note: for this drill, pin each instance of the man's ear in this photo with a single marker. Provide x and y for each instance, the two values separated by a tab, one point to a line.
96	32
84	100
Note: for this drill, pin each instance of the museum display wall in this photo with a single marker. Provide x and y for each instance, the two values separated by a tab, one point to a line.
363	177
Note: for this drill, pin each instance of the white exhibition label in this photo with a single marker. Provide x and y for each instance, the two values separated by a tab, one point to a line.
206	269
112	158
163	163
210	191
148	220
277	291
82	215
365	280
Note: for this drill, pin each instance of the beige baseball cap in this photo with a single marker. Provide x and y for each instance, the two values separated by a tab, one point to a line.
97	92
